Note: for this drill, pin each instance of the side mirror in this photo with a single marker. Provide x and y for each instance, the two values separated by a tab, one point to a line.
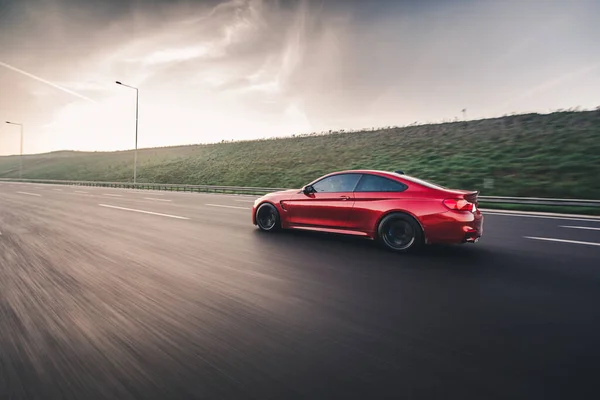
308	189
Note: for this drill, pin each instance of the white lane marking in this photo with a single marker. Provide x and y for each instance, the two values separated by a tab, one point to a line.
580	227
57	190
223	206
80	194
142	211
540	216
80	191
549	214
113	195
30	194
246	201
562	240
150	198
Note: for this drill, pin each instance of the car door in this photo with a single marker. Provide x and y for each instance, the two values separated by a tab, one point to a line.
373	195
328	207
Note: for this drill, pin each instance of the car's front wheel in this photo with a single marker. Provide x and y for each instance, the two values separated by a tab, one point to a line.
400	232
267	217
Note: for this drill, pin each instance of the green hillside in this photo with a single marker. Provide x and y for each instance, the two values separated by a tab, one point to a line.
555	155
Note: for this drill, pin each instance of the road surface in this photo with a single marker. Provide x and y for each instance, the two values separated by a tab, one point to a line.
117	294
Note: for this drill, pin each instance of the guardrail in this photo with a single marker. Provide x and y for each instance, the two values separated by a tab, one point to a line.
540	201
155	186
261	191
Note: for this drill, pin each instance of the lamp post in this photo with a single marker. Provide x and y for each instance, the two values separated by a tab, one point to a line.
137	96
21	156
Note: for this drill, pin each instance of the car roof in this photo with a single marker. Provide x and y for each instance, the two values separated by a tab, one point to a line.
366	171
394	175
399	176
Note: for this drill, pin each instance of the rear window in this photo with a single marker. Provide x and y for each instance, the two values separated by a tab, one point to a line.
422	182
375	183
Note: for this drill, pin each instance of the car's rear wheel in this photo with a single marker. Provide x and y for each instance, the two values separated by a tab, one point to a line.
267	217
400	232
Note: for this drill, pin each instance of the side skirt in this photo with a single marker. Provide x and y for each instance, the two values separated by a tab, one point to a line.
332	230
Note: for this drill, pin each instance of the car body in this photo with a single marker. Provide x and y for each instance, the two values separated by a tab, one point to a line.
377	205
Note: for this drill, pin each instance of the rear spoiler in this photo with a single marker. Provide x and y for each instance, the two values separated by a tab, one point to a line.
472	196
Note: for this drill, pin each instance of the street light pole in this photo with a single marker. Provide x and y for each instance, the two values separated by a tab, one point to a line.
21	156
137	96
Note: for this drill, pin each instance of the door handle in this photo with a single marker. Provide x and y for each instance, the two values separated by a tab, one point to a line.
345	197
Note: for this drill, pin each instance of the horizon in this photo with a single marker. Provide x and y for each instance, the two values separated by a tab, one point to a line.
319	133
211	71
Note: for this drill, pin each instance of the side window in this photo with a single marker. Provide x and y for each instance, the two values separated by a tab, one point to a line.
375	183
337	183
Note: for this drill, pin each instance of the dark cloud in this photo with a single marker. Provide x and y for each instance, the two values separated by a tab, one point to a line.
313	64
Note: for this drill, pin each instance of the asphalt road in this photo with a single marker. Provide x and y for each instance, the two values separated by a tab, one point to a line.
118	294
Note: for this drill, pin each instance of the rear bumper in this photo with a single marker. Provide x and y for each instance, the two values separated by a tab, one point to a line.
472	236
455	228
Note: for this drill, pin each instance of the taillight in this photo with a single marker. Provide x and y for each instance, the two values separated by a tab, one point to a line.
459	205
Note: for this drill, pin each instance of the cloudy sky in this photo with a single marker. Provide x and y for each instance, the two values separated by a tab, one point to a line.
211	70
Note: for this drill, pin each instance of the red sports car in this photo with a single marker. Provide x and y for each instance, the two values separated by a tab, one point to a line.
400	211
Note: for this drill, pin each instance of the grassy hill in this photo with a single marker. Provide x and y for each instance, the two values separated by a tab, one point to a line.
555	155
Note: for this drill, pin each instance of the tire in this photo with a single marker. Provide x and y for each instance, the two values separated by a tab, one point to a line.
267	218
400	233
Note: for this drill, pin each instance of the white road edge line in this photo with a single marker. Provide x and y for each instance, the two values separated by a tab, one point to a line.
562	240
484	212
589	228
142	211
30	194
57	190
223	206
79	191
150	198
113	195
